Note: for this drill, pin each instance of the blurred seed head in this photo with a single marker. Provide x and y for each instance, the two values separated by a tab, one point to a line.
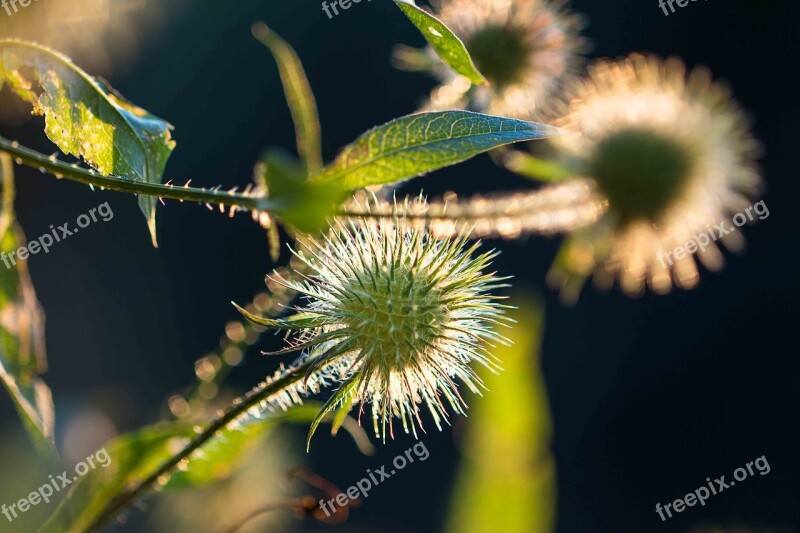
669	153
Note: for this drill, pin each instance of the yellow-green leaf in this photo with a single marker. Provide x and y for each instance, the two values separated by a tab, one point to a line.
507	478
22	353
87	119
417	144
446	44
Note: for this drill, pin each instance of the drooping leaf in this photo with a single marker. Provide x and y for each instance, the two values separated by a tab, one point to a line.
507	478
446	44
299	96
417	144
304	204
87	119
22	353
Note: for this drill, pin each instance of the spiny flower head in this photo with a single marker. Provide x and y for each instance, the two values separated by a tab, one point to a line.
669	154
526	49
398	317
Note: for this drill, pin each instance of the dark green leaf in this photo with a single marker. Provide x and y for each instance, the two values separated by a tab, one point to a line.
446	44
87	119
417	144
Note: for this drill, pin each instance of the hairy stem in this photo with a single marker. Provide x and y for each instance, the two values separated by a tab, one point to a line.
235	411
60	169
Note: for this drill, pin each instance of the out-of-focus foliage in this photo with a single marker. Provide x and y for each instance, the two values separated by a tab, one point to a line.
259	481
24	472
135	456
507	478
22	355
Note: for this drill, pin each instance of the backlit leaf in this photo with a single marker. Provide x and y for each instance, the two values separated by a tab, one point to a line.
446	44
417	144
87	119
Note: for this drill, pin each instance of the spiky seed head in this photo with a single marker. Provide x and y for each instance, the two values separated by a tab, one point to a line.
397	317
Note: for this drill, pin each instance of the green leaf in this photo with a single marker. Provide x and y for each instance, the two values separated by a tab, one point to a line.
446	44
303	204
299	96
299	321
135	456
87	119
417	144
342	397
507	478
22	353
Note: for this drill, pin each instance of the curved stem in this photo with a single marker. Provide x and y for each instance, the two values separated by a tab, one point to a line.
238	408
50	164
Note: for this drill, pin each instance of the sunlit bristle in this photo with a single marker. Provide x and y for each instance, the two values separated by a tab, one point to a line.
399	318
564	207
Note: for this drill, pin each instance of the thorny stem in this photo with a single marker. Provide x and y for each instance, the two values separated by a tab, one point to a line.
31	158
263	392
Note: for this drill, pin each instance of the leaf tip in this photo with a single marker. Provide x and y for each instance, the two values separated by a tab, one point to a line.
260	30
151	225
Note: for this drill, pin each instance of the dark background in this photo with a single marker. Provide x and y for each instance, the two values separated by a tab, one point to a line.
649	396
